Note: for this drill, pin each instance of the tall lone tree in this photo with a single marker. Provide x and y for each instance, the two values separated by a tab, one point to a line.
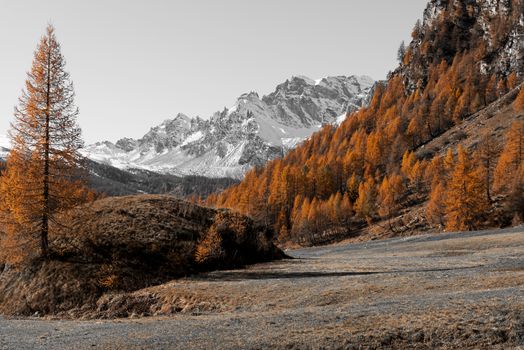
44	168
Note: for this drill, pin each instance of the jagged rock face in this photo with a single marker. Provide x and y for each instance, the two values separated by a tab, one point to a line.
127	144
490	26
248	134
310	102
167	135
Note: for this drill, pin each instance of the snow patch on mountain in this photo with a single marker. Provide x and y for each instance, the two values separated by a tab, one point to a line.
192	138
5	145
340	119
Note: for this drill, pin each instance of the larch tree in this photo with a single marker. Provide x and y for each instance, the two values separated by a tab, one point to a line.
501	87
512	80
366	203
511	161
401	52
44	168
490	90
436	207
465	200
352	186
487	153
448	163
390	193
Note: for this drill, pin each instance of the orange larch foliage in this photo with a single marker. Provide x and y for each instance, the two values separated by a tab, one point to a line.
390	193
465	199
509	172
512	80
44	168
436	207
366	203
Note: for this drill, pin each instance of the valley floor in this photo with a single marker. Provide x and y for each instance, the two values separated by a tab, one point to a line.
462	290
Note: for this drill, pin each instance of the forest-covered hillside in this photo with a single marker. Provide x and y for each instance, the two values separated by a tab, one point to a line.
464	56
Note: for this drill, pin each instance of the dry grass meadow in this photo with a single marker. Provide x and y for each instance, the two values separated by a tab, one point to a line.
444	291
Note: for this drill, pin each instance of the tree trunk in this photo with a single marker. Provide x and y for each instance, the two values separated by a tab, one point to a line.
45	213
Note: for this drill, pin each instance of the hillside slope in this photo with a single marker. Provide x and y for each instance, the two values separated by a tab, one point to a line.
494	120
110	181
124	244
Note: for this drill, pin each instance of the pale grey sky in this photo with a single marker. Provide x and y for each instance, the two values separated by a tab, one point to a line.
136	63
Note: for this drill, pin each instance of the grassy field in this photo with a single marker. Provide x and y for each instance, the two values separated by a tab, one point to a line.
445	291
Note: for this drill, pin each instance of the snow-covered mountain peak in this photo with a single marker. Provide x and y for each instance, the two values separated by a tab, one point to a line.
251	132
303	78
249	96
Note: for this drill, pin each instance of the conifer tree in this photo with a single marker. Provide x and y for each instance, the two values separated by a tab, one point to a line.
487	153
366	203
465	200
346	211
44	169
352	187
491	89
448	163
390	192
510	166
512	80
436	208
401	52
501	87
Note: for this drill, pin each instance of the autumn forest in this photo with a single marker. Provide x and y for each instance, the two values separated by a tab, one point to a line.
374	166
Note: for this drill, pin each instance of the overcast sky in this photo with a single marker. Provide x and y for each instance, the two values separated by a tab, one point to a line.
136	63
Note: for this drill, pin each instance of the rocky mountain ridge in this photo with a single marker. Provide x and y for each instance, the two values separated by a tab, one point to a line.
251	132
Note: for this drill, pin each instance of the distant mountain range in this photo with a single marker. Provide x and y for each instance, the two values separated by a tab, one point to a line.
251	132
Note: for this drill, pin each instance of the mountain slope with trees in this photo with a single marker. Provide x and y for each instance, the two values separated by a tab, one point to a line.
465	56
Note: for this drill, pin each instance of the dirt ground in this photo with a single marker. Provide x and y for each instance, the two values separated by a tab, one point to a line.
448	291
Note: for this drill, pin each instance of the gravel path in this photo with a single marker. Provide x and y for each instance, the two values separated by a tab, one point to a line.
450	290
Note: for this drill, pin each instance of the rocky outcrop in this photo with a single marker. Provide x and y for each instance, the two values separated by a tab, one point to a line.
493	28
